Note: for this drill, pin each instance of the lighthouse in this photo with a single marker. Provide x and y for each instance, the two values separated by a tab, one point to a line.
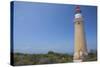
80	48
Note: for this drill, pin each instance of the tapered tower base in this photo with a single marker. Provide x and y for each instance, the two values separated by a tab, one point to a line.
77	60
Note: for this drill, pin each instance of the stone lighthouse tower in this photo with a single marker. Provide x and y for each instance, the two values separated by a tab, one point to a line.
80	49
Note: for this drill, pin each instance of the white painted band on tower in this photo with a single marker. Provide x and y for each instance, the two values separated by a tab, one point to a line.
78	15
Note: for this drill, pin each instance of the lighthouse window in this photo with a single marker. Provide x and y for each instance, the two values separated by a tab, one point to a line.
78	22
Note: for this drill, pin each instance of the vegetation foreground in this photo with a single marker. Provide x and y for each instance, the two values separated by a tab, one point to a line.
49	58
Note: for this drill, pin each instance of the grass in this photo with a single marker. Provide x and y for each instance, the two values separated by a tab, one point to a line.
49	58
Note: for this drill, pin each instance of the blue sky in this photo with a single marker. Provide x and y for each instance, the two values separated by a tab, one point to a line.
43	27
